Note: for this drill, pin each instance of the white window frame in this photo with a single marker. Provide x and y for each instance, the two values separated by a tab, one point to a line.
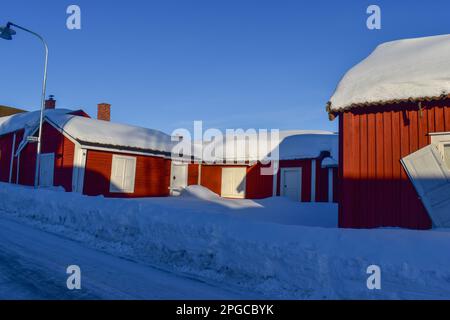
441	140
120	189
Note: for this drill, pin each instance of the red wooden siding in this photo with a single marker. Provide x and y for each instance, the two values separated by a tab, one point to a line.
192	174
336	190
211	178
306	176
374	188
27	164
6	142
321	182
80	113
152	175
19	137
321	179
258	186
52	142
261	186
55	142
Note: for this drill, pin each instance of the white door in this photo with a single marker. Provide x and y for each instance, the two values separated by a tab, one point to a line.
291	183
233	182
46	169
431	178
123	174
179	178
79	164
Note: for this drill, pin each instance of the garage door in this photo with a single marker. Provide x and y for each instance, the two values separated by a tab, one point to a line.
233	182
430	176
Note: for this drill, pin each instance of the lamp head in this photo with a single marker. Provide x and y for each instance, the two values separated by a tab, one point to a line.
6	32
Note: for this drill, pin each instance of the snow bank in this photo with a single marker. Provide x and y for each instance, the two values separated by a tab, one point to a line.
199	192
277	260
397	70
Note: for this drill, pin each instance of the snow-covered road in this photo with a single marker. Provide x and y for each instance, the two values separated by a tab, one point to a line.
33	265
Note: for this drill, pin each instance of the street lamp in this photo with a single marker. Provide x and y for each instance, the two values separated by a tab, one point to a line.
7	33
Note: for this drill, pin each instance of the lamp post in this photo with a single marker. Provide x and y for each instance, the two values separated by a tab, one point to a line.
7	33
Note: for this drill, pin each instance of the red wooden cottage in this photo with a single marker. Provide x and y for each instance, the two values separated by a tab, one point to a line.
394	131
84	155
307	170
98	157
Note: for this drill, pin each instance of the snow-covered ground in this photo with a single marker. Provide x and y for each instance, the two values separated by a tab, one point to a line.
33	264
271	248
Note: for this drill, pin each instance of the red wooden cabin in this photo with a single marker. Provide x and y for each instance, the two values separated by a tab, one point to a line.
84	155
306	172
394	171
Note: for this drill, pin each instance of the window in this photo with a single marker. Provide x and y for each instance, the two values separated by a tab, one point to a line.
447	155
442	141
123	172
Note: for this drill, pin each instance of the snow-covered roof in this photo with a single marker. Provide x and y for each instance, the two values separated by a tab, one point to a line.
291	144
109	134
26	120
329	162
309	146
410	69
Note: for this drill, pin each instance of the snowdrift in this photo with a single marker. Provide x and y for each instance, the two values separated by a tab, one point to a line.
279	261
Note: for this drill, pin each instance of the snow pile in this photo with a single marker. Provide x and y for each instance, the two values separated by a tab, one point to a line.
197	192
87	130
278	260
200	192
398	70
278	210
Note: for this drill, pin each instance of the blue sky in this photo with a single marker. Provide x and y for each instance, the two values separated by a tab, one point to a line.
232	64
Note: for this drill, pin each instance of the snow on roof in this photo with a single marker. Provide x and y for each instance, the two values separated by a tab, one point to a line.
309	146
109	134
292	144
410	69
329	162
26	120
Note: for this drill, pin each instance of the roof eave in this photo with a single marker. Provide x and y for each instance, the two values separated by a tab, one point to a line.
333	113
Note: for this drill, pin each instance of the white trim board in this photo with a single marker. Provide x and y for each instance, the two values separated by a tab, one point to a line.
313	180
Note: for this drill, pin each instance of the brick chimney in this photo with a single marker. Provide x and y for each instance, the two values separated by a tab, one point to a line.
50	103
104	112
